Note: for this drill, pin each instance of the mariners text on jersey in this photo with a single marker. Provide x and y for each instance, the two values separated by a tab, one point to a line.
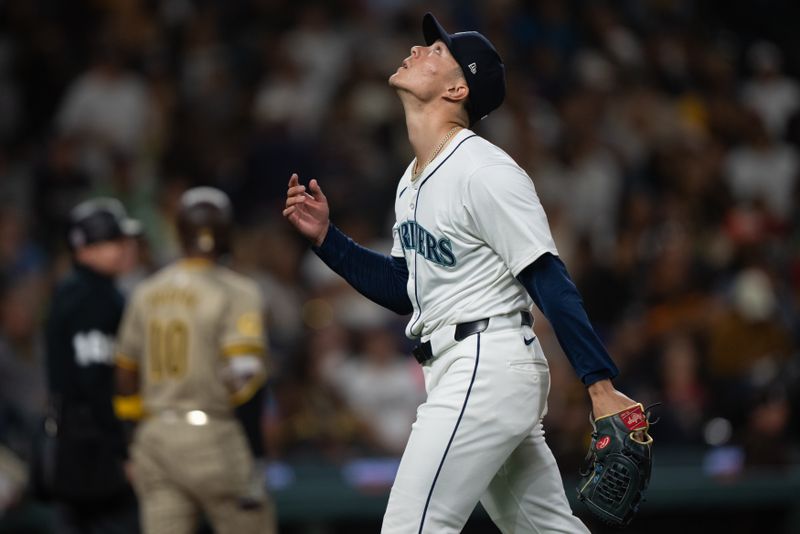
415	236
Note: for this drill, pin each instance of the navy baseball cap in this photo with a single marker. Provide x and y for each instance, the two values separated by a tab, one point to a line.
482	66
100	219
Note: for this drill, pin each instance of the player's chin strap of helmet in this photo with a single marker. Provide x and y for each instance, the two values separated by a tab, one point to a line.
205	241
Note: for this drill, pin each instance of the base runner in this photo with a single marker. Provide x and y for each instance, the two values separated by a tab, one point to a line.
192	337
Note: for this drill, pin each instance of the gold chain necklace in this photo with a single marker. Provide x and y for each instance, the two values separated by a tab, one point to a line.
417	171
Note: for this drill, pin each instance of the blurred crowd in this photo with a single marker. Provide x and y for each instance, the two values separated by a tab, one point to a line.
661	135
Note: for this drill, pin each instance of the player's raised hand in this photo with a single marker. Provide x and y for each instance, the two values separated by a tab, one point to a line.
307	210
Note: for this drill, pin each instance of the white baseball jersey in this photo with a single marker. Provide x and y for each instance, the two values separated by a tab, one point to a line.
467	227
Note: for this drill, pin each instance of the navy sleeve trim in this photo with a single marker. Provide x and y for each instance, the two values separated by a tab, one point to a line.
382	279
551	288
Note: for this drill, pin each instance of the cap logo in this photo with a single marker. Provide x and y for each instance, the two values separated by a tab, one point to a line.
473	68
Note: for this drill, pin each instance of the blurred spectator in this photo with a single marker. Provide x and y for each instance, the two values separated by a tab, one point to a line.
10	97
642	120
107	108
587	183
22	384
765	437
271	257
211	97
381	386
350	308
683	391
750	227
15	176
307	417
132	25
773	95
59	183
283	100
674	288
321	51
20	255
764	170
13	480
158	220
608	287
747	341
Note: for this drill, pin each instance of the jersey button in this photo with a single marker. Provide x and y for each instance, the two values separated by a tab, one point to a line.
411	205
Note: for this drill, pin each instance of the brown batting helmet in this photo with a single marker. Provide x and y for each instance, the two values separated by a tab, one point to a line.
204	222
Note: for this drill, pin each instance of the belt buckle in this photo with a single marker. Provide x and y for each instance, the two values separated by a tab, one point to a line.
197	417
192	417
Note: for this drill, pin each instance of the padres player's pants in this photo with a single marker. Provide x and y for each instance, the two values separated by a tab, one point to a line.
181	469
479	437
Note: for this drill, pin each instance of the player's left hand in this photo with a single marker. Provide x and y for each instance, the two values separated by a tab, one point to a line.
617	468
607	400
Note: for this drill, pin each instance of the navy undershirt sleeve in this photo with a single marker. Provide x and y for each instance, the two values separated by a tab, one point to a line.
382	279
551	288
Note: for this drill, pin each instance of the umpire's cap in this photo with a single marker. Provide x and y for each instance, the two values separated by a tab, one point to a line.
482	66
100	219
204	221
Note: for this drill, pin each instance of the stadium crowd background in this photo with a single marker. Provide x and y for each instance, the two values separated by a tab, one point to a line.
662	136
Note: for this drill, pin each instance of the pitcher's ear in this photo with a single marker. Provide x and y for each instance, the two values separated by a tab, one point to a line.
458	91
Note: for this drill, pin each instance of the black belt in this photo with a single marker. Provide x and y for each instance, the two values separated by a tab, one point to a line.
423	352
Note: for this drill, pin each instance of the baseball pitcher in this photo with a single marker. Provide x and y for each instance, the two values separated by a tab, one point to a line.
472	252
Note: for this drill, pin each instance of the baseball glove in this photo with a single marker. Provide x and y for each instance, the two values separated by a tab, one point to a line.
616	470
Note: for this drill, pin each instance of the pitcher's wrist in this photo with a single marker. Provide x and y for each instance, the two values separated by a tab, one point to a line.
601	388
321	239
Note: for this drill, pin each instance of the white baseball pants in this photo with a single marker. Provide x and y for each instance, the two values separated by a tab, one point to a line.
479	437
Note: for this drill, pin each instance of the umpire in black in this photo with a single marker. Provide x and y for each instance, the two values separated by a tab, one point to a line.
84	467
